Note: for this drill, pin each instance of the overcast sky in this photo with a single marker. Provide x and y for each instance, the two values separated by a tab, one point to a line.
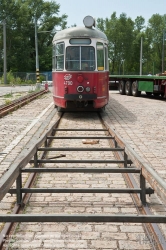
78	9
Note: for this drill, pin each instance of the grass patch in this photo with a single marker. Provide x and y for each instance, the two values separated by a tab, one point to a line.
8	95
31	91
8	101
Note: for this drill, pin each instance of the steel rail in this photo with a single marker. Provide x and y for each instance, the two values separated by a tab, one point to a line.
152	228
7	227
79	149
77	190
80	170
79	129
156	182
80	137
78	161
82	218
7	180
5	109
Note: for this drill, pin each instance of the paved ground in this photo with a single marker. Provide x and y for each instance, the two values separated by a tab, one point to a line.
17	128
10	93
15	89
140	121
80	236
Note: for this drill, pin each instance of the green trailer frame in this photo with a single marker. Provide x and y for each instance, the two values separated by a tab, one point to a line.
135	84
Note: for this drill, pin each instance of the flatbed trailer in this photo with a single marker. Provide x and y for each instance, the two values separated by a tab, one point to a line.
135	84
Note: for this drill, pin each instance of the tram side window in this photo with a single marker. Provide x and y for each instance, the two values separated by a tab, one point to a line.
59	52
53	57
106	58
100	56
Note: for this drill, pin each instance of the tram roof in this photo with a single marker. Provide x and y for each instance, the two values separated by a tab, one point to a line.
79	32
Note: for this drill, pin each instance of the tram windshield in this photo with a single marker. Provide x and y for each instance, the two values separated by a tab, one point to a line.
80	58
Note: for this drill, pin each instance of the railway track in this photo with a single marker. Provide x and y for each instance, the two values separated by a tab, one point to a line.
82	192
5	109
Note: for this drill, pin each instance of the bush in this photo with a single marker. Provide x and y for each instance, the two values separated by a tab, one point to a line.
10	78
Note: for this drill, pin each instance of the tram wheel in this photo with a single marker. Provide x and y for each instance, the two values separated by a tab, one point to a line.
134	89
128	88
121	87
59	109
102	109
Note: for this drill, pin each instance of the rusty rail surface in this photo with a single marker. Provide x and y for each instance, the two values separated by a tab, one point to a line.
5	109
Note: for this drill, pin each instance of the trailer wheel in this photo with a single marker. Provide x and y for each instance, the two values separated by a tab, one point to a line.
134	89
128	88
121	87
156	94
149	93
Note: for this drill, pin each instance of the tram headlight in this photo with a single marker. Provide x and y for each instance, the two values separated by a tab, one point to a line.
87	89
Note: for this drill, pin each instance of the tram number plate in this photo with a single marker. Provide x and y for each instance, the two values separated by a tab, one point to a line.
68	83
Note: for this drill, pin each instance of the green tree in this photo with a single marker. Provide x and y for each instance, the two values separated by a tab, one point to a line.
119	32
20	22
138	33
155	29
124	36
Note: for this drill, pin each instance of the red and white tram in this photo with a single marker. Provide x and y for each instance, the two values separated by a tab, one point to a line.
80	67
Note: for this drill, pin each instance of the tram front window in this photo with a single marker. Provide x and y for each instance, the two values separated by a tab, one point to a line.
80	58
72	58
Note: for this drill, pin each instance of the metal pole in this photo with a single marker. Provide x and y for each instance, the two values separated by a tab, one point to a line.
119	66
18	188
4	53
123	66
141	50
163	52
37	57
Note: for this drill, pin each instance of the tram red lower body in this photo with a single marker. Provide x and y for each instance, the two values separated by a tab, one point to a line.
80	89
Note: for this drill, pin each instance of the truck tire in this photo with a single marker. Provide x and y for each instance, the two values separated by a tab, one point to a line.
128	88
156	94
121	87
134	89
149	93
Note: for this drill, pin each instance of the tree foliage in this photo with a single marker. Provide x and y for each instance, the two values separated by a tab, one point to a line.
20	16
124	36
